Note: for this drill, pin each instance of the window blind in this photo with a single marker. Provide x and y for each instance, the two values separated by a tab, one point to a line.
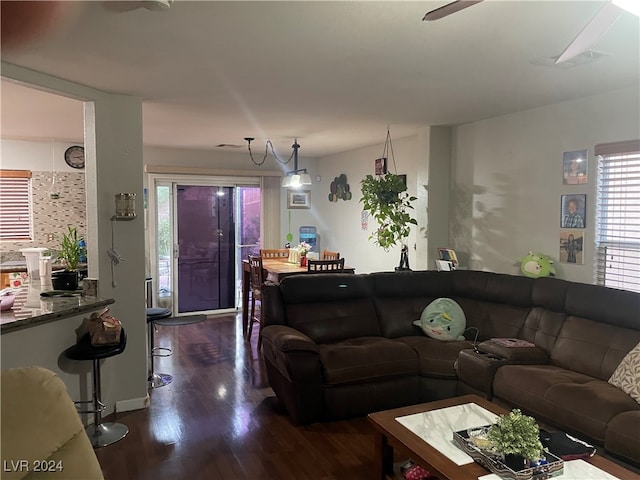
15	205
617	262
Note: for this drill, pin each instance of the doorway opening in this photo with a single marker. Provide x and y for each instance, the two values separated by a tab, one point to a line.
203	231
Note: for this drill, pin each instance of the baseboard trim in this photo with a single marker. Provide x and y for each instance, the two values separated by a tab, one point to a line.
132	404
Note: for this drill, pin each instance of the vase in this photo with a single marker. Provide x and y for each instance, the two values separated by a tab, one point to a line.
303	260
64	280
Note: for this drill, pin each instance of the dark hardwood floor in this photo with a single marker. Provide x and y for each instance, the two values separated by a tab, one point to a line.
219	419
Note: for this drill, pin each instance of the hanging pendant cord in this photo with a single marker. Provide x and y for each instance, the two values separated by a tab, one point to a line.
267	146
388	147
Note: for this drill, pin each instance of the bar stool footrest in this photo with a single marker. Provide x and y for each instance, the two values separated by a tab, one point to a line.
155	350
158	380
101	407
106	433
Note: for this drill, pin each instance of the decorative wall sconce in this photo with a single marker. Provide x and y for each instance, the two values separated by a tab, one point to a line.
125	206
294	178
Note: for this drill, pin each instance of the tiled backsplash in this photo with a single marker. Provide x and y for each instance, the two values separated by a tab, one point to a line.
52	216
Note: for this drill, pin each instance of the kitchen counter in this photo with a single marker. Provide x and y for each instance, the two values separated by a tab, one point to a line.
30	309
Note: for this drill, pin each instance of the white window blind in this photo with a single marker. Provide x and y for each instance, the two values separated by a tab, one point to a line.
617	262
15	205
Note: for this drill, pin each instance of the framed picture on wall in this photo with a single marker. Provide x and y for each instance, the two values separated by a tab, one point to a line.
574	167
298	199
571	246
381	166
573	211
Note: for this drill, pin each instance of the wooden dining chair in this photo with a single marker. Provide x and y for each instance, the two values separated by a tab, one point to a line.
329	255
275	253
325	266
255	288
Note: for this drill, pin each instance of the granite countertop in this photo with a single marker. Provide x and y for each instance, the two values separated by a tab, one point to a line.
30	309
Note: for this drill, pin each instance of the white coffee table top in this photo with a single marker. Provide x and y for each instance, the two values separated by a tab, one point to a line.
436	427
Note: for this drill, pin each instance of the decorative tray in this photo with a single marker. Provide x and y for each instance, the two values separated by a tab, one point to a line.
554	466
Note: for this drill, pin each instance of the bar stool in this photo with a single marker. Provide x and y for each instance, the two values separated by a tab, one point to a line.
157	380
100	434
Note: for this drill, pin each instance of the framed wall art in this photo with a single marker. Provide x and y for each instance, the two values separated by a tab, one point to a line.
571	246
298	199
381	166
574	167
573	210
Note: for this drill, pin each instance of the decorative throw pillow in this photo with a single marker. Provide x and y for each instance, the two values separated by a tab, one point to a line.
443	319
627	375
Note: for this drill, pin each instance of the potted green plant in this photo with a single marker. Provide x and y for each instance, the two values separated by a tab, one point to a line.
517	438
70	252
385	197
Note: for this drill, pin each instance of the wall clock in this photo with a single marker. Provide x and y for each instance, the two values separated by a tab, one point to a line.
74	156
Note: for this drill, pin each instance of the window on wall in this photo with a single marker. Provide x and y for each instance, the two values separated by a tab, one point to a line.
617	262
15	205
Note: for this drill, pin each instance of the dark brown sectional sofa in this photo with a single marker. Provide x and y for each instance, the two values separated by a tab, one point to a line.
340	345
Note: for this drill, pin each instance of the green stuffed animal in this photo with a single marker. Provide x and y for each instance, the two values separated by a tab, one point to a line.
443	319
536	265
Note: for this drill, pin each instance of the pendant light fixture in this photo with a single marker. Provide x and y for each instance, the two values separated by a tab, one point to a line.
298	176
295	178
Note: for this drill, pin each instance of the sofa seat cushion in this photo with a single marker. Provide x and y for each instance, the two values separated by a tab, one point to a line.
562	397
363	359
621	437
589	407
437	359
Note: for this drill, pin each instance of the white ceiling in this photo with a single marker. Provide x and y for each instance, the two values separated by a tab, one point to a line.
332	74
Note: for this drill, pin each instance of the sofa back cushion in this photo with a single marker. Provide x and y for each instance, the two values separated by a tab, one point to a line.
542	327
550	293
492	287
491	319
400	298
330	307
608	305
592	348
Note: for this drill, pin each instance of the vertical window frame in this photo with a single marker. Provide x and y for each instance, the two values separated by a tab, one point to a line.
15	228
617	234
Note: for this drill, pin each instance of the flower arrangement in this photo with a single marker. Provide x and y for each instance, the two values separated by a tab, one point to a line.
304	248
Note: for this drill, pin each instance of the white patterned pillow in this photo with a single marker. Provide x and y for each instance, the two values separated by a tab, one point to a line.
627	375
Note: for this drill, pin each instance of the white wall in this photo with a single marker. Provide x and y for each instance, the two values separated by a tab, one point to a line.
36	156
506	182
508	179
113	163
340	228
239	160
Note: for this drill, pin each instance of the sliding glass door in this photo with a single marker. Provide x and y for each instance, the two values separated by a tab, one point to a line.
206	248
203	231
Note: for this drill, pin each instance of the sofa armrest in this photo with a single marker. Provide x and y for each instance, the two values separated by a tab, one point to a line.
287	339
523	355
477	369
293	369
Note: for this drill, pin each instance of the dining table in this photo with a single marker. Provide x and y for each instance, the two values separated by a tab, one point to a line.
274	270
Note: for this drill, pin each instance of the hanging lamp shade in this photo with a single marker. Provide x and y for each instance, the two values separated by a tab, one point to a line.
296	180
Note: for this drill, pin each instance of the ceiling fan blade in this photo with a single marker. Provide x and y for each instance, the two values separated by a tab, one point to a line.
592	32
448	9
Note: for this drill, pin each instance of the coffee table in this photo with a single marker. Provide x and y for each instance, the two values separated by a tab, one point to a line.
391	432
